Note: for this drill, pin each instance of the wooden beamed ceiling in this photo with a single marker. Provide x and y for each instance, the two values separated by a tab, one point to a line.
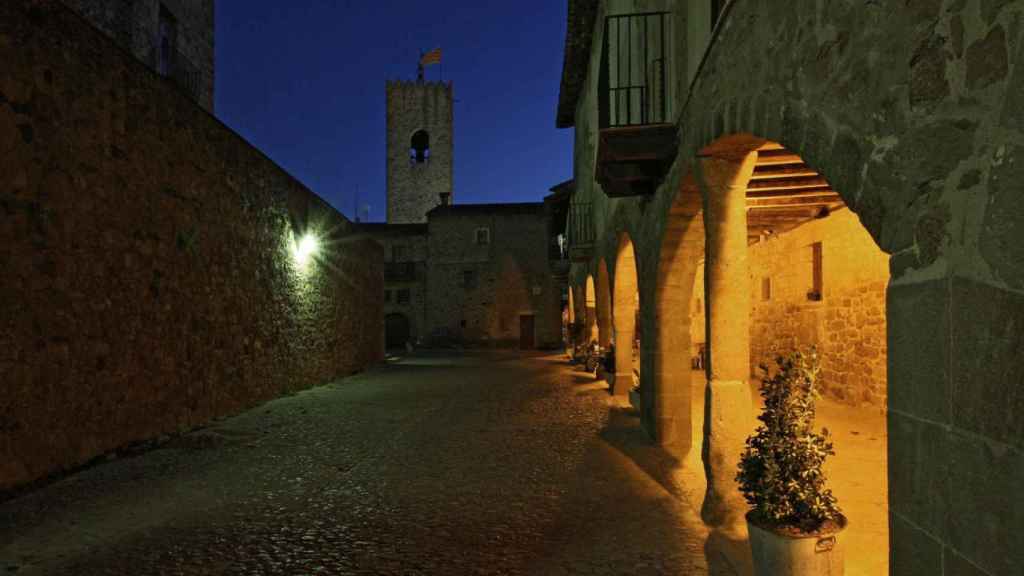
784	193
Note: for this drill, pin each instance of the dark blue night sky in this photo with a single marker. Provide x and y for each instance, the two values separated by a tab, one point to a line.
303	80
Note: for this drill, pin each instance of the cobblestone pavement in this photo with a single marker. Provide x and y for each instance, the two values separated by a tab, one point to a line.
473	464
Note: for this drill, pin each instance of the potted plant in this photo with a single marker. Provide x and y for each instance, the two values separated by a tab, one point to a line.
794	521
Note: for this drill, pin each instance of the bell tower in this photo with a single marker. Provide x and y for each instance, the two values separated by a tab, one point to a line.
419	148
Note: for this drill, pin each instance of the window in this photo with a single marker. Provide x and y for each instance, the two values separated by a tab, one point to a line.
397	253
469	279
403	296
766	288
387	295
167	36
815	293
483	236
419	147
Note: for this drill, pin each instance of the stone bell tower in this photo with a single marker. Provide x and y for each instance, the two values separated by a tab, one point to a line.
419	148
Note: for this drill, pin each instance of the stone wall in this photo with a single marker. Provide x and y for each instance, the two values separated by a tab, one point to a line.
149	283
413	188
510	274
133	24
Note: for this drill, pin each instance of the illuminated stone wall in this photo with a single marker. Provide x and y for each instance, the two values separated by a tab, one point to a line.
511	274
133	24
148	282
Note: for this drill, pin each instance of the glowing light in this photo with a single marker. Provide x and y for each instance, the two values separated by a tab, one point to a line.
304	249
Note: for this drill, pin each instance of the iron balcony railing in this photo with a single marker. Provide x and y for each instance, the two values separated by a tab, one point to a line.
634	75
399	271
181	71
581	225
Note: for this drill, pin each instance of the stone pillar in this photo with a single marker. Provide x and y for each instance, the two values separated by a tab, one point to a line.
623	356
728	418
590	329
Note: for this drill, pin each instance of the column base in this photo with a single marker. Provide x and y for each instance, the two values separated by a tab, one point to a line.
728	421
622	383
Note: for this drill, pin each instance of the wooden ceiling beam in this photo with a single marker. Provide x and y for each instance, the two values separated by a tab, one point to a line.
806	193
786	184
783	171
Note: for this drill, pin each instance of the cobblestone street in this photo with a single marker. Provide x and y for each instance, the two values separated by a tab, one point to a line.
473	464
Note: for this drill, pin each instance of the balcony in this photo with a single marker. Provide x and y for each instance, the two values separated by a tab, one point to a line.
637	142
180	70
581	232
399	271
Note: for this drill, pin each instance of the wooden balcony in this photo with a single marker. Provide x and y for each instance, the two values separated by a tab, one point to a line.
633	160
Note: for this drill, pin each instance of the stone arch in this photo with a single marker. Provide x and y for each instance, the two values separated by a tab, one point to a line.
397	330
750	184
419	146
625	306
604	304
682	247
571	305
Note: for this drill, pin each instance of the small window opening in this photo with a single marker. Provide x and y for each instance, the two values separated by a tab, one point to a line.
716	11
166	41
403	296
397	253
387	295
766	289
419	148
483	236
469	279
815	292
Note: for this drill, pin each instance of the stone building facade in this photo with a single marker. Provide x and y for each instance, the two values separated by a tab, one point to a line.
405	280
174	38
151	280
419	148
489	276
908	116
443	283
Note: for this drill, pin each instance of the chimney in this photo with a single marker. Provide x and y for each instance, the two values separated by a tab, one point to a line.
445	198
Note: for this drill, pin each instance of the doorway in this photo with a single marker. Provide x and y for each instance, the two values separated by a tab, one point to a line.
526	341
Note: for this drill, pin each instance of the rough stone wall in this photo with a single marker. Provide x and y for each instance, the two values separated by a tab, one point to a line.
512	274
149	283
914	114
133	24
414	188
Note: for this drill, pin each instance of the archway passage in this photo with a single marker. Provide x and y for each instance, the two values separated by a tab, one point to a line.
625	305
397	330
788	266
604	305
590	332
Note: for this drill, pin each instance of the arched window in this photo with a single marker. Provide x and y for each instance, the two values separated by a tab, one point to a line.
419	149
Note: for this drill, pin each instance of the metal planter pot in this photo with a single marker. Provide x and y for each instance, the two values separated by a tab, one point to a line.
778	554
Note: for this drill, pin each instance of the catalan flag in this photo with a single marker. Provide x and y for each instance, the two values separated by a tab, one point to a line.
432	57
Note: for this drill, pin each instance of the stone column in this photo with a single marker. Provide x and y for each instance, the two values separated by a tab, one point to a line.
623	356
728	418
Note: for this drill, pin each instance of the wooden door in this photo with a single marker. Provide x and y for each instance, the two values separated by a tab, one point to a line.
526	332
